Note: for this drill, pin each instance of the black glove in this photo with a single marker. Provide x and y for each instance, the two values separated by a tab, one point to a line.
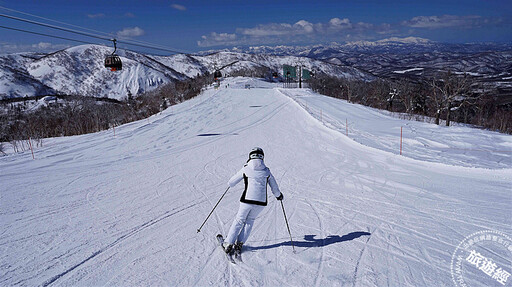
280	197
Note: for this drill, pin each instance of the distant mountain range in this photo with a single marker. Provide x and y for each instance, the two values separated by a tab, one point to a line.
410	56
79	70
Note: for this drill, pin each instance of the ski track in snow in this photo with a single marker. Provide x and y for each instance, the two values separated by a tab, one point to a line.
109	210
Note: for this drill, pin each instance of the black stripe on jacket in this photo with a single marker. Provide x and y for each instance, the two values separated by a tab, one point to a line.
244	200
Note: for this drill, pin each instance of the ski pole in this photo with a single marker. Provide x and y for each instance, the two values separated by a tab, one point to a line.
199	230
288	226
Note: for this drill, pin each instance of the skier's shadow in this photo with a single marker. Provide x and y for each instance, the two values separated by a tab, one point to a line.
310	241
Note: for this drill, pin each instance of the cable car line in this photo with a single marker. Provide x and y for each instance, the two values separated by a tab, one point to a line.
47	19
110	35
42	34
88	34
57	37
54	27
112	61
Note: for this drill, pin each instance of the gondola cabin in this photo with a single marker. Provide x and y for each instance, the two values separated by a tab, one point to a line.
113	62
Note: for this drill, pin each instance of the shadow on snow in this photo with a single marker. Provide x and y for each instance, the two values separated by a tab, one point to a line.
310	241
215	134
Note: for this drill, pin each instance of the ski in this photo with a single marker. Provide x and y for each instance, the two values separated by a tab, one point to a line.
229	256
238	255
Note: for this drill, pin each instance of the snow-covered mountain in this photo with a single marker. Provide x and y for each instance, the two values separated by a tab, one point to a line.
80	70
15	79
275	63
487	61
393	45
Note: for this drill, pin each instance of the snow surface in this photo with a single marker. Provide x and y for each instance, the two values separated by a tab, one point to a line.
454	145
123	210
408	70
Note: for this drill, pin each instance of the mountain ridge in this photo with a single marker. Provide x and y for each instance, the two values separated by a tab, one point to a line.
79	70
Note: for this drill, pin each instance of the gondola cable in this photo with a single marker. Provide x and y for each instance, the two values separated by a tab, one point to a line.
47	19
43	34
110	35
113	61
87	34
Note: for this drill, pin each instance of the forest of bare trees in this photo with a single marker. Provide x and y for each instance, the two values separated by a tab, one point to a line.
80	115
449	97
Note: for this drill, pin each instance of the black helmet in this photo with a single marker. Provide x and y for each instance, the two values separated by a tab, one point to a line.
256	153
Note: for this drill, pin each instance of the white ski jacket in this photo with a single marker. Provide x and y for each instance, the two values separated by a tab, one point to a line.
256	176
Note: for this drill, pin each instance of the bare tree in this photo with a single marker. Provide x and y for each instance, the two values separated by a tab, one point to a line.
349	87
448	93
404	92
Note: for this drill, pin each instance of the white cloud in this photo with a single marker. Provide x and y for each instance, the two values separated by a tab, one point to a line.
444	21
41	47
267	30
179	7
95	16
339	30
387	29
223	36
301	27
304	26
300	31
130	32
337	23
214	38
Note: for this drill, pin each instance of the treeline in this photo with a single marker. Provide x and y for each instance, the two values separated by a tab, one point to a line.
253	72
81	115
450	97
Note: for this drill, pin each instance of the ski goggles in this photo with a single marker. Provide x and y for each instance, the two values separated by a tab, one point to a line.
255	155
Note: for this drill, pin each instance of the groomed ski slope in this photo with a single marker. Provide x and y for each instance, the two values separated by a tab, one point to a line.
455	145
123	210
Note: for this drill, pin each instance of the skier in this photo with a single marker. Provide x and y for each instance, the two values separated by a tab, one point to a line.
256	176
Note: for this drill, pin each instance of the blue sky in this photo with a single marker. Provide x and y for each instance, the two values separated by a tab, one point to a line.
192	26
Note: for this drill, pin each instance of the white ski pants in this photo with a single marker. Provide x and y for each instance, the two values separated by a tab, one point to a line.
243	222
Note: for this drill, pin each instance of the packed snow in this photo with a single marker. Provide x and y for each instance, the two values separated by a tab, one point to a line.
408	70
123	209
455	145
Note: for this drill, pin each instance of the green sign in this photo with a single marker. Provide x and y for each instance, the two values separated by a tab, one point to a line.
306	74
289	71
